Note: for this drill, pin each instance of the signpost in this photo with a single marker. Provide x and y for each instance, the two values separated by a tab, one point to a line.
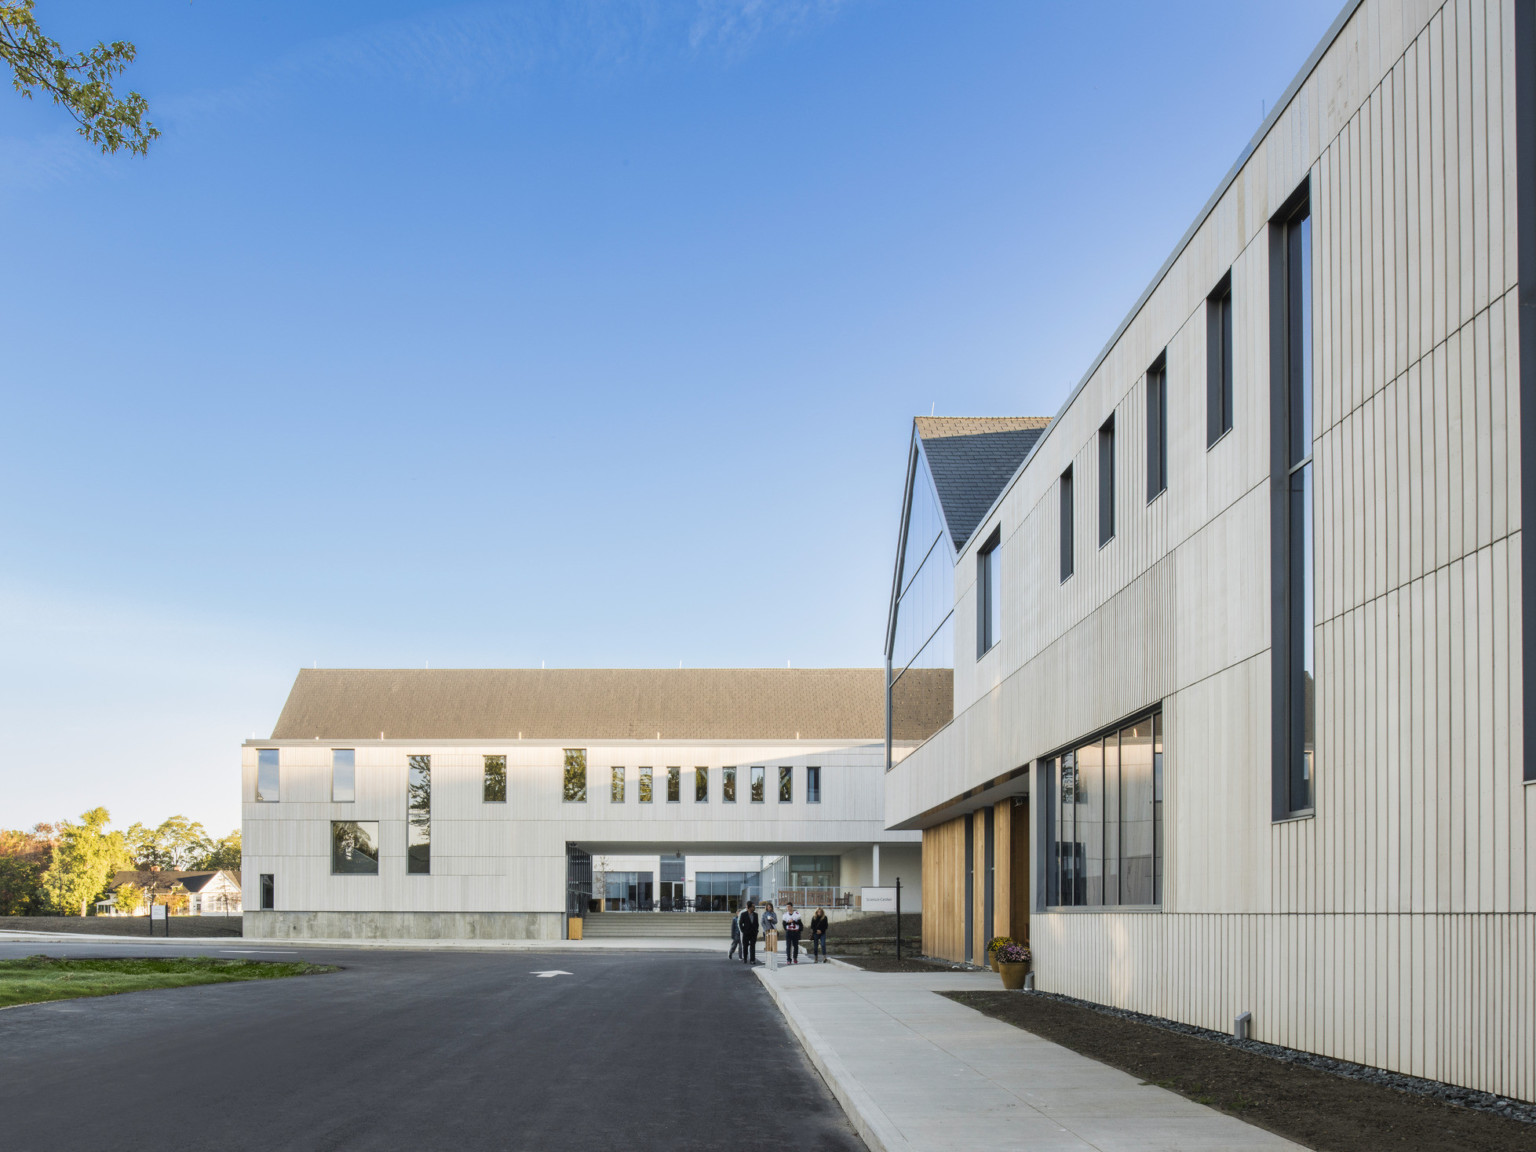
884	900
158	912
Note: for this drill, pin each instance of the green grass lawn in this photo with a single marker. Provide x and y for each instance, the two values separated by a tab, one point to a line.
39	978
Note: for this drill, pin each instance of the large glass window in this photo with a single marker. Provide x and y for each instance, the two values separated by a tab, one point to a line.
575	790
616	786
646	793
728	784
1218	361
418	815
354	847
629	891
921	629
724	891
674	785
1104	819
759	785
786	784
701	785
268	775
1295	661
493	785
343	775
989	599
813	784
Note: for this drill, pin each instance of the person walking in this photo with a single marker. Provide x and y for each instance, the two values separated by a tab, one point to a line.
792	928
748	923
735	938
770	923
819	937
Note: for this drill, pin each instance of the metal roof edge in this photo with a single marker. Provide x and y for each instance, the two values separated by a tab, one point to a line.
1284	102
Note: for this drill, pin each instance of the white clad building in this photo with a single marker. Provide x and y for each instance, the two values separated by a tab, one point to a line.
474	803
1242	721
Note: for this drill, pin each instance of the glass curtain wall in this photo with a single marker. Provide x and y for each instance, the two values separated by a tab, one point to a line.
724	891
921	632
1105	819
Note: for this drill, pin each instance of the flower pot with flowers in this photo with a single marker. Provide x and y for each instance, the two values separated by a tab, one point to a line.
993	945
1013	962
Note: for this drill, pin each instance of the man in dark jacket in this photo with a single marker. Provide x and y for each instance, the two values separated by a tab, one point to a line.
748	922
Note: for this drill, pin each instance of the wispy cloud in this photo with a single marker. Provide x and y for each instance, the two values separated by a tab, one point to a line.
469	52
28	164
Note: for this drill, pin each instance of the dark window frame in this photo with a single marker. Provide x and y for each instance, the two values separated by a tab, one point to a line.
1293	532
335	844
418	815
267	887
728	784
1157	427
700	784
786	784
989	563
674	784
1106	481
1219	416
813	783
1066	513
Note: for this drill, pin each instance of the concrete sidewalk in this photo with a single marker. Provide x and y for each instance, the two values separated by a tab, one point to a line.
915	1071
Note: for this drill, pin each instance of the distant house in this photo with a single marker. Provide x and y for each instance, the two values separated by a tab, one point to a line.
214	893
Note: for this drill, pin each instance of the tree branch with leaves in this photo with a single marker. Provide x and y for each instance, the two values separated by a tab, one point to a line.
80	83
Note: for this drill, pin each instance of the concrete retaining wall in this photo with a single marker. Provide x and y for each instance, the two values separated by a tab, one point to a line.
405	925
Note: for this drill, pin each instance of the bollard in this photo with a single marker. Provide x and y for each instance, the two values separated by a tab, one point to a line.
1242	1027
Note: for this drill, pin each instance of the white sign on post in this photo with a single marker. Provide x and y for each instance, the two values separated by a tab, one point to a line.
157	911
878	899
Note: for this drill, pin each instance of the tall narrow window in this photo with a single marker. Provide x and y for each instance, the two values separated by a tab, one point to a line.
1292	529
343	775
616	785
268	892
646	793
813	784
1066	524
728	785
989	618
575	790
701	785
268	775
1107	482
418	815
786	784
493	780
674	785
759	786
1218	361
1157	428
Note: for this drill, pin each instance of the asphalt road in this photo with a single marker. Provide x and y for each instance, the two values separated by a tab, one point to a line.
417	1050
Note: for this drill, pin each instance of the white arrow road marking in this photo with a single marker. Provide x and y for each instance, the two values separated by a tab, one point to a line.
552	972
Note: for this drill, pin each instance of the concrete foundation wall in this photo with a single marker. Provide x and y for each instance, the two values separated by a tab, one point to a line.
404	925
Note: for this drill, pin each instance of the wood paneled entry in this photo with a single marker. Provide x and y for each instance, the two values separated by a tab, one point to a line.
976	880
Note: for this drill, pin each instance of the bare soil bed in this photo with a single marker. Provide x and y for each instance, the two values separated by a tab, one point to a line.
183	926
1318	1109
876	926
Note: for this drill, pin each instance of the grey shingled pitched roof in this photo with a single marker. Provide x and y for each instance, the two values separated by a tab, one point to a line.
971	458
605	704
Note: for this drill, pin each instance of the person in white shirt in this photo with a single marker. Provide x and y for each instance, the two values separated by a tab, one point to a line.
792	935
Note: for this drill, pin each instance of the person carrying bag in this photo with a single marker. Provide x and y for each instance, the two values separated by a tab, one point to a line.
792	935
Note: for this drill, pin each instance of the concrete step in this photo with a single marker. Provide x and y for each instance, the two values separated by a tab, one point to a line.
694	925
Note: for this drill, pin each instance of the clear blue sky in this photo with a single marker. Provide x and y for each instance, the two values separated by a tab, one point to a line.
589	333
